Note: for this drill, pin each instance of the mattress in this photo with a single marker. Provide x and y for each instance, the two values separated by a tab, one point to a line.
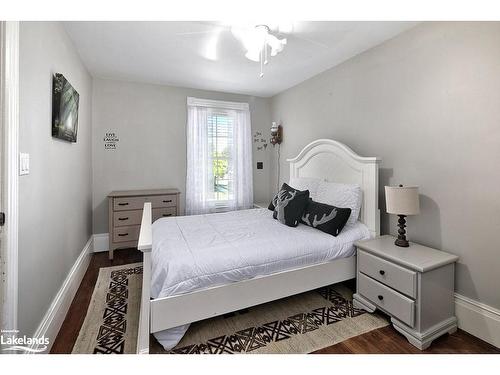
195	252
200	251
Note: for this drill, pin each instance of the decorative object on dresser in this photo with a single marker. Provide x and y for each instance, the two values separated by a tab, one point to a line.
415	286
125	213
402	201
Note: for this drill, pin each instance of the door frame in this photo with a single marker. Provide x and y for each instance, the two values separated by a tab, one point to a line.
9	94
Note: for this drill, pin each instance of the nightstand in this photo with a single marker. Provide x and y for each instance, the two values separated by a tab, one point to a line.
414	285
261	205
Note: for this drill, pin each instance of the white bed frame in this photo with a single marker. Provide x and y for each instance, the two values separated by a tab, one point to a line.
324	158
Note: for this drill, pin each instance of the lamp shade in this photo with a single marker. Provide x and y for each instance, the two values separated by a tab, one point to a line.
402	200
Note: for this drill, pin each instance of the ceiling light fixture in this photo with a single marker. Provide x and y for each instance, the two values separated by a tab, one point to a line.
258	41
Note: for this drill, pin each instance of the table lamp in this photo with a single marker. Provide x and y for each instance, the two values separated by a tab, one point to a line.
402	201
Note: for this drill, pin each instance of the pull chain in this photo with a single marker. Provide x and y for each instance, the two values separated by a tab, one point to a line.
261	64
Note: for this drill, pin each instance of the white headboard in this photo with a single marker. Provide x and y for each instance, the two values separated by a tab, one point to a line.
335	162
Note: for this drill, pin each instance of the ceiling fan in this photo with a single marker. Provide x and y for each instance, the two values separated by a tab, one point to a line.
257	42
260	41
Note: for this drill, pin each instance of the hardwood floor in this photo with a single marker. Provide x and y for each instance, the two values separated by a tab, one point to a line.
70	328
385	340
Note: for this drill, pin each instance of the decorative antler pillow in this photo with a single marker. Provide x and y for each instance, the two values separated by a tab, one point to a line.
326	218
289	204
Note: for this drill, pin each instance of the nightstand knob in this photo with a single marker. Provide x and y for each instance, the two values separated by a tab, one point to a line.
380	297
382	272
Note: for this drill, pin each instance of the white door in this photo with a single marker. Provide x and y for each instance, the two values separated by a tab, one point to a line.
9	148
2	278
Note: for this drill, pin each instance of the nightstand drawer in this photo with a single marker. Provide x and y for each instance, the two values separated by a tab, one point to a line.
399	306
399	278
123	234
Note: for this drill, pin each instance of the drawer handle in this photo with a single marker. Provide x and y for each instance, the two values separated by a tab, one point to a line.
122	204
380	297
382	272
165	215
170	200
122	218
122	234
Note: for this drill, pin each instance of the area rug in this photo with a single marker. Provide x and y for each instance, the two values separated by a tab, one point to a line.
298	324
112	320
294	325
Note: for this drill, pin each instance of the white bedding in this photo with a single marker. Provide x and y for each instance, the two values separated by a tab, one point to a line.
196	252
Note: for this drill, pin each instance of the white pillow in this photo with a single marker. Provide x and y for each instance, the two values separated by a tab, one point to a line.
341	195
306	183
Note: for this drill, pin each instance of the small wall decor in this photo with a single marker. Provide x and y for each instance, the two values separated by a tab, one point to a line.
260	143
110	141
65	101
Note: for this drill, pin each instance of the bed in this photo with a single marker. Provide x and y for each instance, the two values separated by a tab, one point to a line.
185	279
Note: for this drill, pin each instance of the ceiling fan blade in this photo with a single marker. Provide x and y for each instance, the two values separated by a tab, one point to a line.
322	45
214	28
198	32
211	47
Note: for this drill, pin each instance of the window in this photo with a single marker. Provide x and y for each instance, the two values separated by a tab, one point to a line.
220	141
219	156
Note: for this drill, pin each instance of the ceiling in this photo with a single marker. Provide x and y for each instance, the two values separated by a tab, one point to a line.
206	55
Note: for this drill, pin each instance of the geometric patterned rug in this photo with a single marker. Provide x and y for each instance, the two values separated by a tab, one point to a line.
298	324
294	325
111	323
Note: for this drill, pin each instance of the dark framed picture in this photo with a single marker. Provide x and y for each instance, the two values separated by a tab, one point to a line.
64	109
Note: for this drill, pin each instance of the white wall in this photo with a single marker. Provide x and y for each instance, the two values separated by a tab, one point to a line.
150	122
55	202
428	103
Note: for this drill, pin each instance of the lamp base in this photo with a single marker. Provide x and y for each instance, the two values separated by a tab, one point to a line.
401	241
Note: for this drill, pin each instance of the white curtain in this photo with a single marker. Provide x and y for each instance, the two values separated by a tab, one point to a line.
200	176
199	163
241	162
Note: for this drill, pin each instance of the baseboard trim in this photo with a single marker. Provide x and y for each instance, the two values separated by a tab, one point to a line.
101	242
478	319
55	315
474	317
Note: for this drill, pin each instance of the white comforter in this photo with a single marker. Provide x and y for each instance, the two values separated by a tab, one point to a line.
196	252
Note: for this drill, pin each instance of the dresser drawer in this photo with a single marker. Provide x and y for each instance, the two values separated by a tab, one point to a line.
396	304
163	201
163	212
126	218
134	217
399	278
137	203
123	234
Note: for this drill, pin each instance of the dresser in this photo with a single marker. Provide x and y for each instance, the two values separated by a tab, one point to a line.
413	285
125	213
